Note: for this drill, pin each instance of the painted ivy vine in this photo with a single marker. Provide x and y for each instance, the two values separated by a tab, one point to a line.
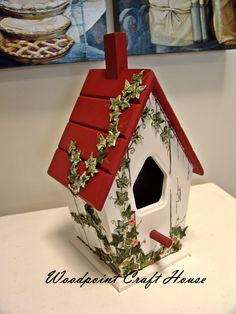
124	253
158	123
131	91
91	219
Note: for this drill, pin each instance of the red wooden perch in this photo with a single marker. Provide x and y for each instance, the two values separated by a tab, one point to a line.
161	238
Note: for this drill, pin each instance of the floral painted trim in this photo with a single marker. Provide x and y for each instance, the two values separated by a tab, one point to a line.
119	104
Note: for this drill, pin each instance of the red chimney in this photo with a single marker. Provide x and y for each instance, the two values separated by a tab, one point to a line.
115	54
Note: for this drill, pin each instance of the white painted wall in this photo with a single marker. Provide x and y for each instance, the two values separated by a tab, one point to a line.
35	104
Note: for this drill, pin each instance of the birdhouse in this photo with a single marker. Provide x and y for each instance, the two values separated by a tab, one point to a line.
126	165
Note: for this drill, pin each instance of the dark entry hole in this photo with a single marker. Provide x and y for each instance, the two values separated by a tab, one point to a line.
148	185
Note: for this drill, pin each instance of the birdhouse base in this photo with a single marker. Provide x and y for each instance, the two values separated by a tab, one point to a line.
120	284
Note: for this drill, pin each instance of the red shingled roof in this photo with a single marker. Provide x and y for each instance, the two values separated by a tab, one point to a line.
90	117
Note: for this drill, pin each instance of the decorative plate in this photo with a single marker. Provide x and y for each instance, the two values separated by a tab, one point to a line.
31	9
35	29
36	51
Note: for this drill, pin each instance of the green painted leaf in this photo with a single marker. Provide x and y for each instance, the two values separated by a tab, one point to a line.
101	142
166	134
83	179
116	239
122	181
74	187
137	137
157	121
91	164
111	138
114	116
133	233
122	197
137	78
128	212
115	102
72	147
178	232
80	219
101	156
125	163
124	104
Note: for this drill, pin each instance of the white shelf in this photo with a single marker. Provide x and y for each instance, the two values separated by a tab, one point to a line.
34	244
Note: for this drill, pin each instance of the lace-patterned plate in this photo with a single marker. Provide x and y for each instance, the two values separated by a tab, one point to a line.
36	51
